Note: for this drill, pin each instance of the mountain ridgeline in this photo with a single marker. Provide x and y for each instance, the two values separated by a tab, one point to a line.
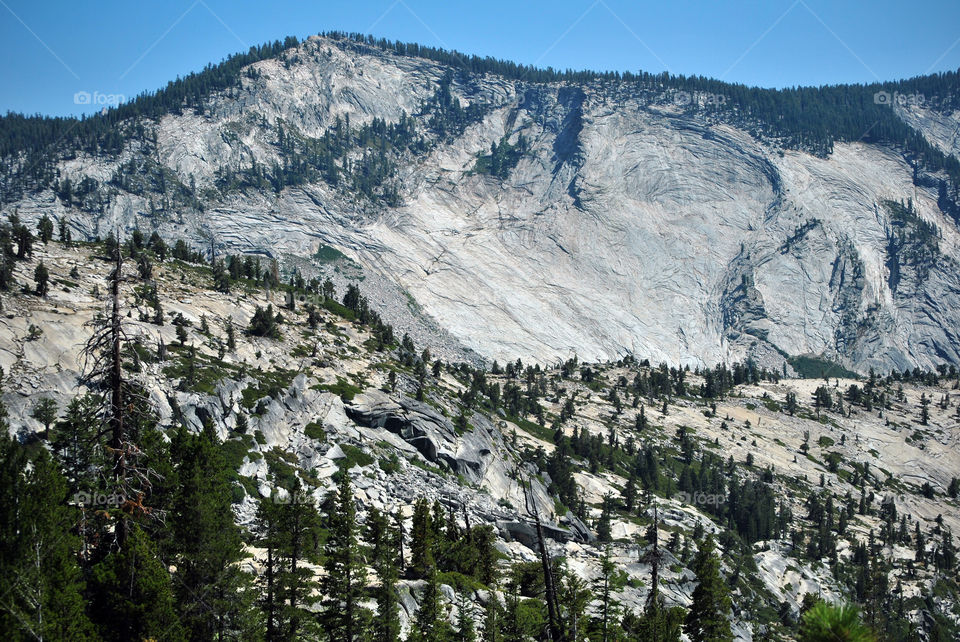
542	213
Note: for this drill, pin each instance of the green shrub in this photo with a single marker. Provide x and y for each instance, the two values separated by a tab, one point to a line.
354	457
314	430
390	465
344	389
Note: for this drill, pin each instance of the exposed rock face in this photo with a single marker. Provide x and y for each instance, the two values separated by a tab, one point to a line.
472	455
425	429
627	225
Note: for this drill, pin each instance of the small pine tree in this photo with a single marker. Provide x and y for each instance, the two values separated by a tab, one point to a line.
791	403
45	229
221	278
45	411
492	619
111	247
287	529
629	494
466	619
76	442
603	524
607	611
41	277
264	323
574	596
431	622
707	620
64	230
231	336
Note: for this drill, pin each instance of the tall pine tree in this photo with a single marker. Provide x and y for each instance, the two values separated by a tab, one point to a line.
708	618
343	584
42	589
212	591
383	540
131	594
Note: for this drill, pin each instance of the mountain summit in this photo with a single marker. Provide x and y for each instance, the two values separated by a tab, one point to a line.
528	213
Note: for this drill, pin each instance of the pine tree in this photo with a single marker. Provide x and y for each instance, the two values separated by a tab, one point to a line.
266	526
573	596
64	229
221	278
629	494
384	541
45	229
607	612
45	411
111	247
421	540
439	536
124	405
791	405
466	619
231	336
24	240
657	623
41	276
603	524
431	622
287	525
523	619
641	421
707	620
76	443
826	623
344	582
211	589
264	323
132	598
42	587
492	619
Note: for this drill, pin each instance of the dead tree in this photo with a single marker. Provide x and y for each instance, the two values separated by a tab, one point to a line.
398	517
654	557
555	631
103	371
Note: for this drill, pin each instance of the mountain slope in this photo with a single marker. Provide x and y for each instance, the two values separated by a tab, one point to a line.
795	491
622	216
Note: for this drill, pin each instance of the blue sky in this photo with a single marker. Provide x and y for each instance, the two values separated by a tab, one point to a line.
54	49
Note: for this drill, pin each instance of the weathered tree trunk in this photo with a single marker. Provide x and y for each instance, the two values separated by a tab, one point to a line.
116	444
556	632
